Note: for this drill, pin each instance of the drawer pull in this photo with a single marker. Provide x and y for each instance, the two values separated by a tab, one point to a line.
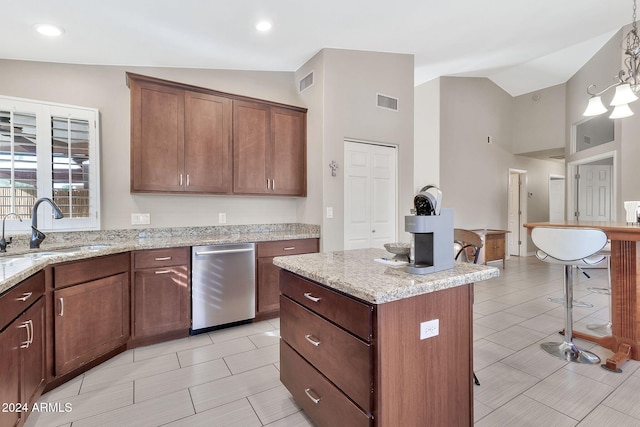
163	271
310	394
25	296
308	295
289	248
61	306
29	326
164	258
313	340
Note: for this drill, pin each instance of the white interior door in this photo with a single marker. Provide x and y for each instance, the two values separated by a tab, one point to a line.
594	192
514	213
556	199
370	195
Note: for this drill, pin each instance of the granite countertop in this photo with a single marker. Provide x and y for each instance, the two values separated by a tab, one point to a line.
19	262
355	273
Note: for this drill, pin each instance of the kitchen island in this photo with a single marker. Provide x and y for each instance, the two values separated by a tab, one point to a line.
365	343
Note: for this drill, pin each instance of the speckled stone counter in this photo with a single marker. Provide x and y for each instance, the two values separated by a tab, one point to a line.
355	273
20	262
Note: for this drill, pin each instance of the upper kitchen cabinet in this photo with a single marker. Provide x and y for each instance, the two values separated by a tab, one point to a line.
269	150
190	139
180	139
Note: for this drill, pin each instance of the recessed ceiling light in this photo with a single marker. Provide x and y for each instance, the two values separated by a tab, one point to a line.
263	26
49	30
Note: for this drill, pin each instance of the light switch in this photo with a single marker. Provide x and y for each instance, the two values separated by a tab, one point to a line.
140	218
222	218
329	212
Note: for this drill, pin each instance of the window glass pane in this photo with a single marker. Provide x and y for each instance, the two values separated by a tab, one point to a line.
70	166
18	162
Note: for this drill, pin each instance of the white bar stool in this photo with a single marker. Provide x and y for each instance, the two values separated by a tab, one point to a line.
569	247
604	329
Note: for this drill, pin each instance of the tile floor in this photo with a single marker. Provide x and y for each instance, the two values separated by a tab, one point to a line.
231	377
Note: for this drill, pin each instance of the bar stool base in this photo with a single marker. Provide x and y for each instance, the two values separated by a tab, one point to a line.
570	352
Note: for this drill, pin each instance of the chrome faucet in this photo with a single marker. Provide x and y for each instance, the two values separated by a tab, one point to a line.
38	236
3	242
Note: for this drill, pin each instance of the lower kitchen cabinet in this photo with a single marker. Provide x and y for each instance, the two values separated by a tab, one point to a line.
92	317
22	342
267	274
161	292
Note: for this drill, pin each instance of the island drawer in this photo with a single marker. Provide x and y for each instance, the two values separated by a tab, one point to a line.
352	315
286	247
320	399
20	297
158	258
344	359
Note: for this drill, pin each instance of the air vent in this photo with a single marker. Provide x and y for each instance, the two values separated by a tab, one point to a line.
387	102
305	83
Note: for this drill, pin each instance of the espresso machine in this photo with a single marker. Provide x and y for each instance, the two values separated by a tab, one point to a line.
431	231
633	212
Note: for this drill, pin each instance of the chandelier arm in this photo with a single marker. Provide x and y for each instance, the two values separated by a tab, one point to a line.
602	91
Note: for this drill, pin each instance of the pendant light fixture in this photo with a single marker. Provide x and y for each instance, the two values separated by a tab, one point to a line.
627	84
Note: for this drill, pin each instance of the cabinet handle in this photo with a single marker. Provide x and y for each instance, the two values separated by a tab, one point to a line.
27	343
313	340
163	271
25	296
290	248
163	258
311	297
273	184
268	183
310	394
180	180
188	183
61	306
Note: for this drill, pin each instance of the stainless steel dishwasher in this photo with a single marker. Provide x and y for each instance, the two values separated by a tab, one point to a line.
223	285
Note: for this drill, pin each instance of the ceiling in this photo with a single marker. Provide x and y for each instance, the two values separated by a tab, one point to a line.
522	45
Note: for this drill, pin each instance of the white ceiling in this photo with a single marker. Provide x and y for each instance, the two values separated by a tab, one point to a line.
522	45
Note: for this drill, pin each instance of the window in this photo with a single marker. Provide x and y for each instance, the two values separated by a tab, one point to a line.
49	150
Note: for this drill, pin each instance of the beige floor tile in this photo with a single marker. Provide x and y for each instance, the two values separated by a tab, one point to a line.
613	379
86	405
214	351
299	419
544	323
151	413
265	339
516	337
147	352
275	323
605	416
227	390
480	331
240	331
121	359
500	320
252	359
531	309
480	410
488	307
66	390
525	412
534	361
274	404
168	382
234	414
501	383
486	353
625	398
130	372
570	393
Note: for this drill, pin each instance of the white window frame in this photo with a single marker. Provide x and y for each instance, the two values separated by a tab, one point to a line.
44	111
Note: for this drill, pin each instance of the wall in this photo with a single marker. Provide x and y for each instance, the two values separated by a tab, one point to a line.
426	160
539	120
474	175
104	87
350	82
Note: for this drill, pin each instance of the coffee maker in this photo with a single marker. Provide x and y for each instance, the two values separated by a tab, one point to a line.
431	234
633	212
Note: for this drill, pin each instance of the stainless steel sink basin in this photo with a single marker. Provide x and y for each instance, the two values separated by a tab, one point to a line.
82	248
34	256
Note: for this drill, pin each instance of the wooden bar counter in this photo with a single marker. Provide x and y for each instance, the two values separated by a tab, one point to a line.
625	289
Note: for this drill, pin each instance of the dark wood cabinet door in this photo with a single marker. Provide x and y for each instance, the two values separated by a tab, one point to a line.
157	137
10	373
207	143
268	292
161	301
251	150
90	319
288	152
33	352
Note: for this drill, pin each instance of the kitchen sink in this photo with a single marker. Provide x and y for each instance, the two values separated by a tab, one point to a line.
34	256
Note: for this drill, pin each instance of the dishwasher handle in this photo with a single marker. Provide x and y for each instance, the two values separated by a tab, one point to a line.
224	251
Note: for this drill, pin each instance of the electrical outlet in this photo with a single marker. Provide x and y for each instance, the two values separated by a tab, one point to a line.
429	329
222	218
140	218
329	213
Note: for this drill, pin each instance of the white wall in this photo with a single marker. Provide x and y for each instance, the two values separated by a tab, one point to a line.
104	87
350	81
426	146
